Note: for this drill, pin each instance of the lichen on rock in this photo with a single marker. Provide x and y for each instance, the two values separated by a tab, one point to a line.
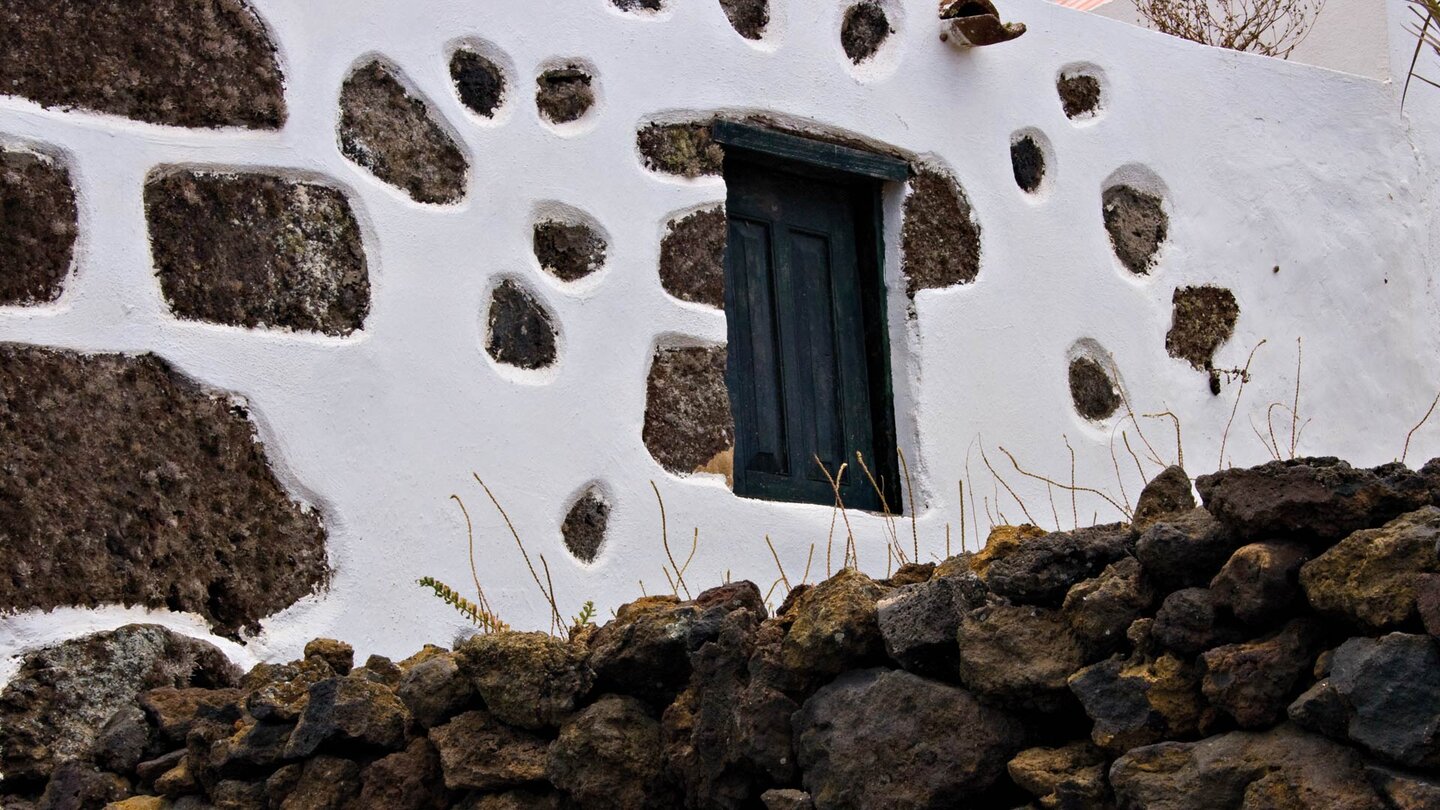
393	134
37	229
687	408
692	257
564	94
683	149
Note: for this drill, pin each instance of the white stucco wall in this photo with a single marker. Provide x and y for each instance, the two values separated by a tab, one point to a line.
1264	163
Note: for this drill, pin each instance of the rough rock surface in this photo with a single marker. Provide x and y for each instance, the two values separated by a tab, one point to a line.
748	17
519	331
1070	777
1203	319
609	756
682	149
919	621
353	710
1138	226
122	481
940	239
564	94
1186	550
477	752
1166	496
1017	655
1079	94
257	250
1254	681
1261	582
1100	610
184	63
434	690
529	680
1041	570
568	250
692	257
835	626
1093	390
61	697
1134	703
479	81
1189	622
394	135
38	226
1373	577
687	408
887	739
584	526
863	30
1027	160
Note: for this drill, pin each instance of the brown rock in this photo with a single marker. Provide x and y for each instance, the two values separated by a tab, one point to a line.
1261	581
529	680
169	62
1136	703
1079	94
1040	570
787	799
645	650
1404	791
477	752
1017	655
235	794
512	800
1100	610
692	257
353	710
1253	682
568	250
1070	777
1167	495
279	692
1427	602
940	239
393	134
1184	551
608	757
564	94
139	803
1373	577
406	780
834	626
863	30
124	482
1202	320
1189	623
37	236
684	149
339	655
175	711
434	690
79	785
687	408
325	783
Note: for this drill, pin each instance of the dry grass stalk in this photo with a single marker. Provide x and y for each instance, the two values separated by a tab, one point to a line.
850	549
892	535
1244	375
1179	445
1074	509
1268	27
1003	483
678	583
1427	14
1408	436
549	595
1073	488
781	568
480	597
910	492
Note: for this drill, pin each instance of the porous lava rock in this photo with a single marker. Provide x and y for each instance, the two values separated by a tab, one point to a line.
354	710
747	17
529	680
479	81
940	239
394	135
1027	160
1189	622
919	621
568	250
1138	226
1093	389
1139	702
1315	500
1203	319
61	697
687	408
519	331
1101	609
37	226
1254	681
1041	570
1070	777
584	526
1404	791
608	757
890	739
405	780
124	482
1282	768
863	30
683	149
564	94
692	257
834	626
1186	550
1261	581
1165	496
1017	655
477	752
1079	94
434	690
257	250
187	63
1373	577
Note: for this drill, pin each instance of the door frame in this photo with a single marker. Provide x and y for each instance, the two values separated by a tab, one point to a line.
865	174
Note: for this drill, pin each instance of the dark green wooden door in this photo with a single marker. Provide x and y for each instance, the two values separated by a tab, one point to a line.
800	371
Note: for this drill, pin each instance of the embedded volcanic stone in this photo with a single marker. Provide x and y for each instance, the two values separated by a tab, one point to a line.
58	702
1383	694
1373	577
584	526
919	621
122	481
749	17
1405	791
1100	610
1017	655
405	780
1042	569
1028	161
940	239
692	257
645	651
889	739
79	785
1281	768
325	781
479	81
683	149
1167	495
519	331
529	680
1072	776
435	690
687	408
1253	682
512	800
339	655
280	691
1138	225
1136	703
258	251
1203	319
1185	550
1311	499
1189	624
864	29
37	226
124	740
394	136
1092	390
352	710
477	752
564	94
174	712
1261	581
639	5
188	63
609	757
569	250
835	626
1079	94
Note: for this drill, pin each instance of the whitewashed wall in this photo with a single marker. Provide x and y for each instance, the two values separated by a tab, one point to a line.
1265	163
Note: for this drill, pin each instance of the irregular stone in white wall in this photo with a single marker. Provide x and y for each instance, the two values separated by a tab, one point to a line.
1138	226
37	227
1093	391
1080	94
1028	161
257	250
124	482
864	29
684	149
569	250
1203	318
393	134
519	329
639	5
584	526
479	81
940	238
749	17
688	423
187	63
692	257
564	94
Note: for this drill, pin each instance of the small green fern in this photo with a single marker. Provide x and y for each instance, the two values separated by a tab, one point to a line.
483	619
586	616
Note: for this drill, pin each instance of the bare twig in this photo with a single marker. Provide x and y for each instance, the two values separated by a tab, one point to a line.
1074	509
665	541
1408	436
910	491
554	609
1003	483
480	598
808	558
1269	27
1244	378
781	568
1123	510
840	505
1179	445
